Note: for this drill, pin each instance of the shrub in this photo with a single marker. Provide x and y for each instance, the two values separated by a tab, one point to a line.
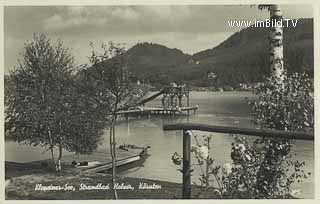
285	106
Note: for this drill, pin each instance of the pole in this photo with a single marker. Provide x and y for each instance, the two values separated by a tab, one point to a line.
186	177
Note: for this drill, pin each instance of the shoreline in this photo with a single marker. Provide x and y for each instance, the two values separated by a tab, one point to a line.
46	184
26	182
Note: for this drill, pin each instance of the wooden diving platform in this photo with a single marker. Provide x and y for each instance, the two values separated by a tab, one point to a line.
175	101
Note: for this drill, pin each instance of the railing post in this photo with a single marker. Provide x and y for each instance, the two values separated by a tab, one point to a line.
186	177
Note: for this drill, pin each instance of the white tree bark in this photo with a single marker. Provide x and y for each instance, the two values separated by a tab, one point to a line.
276	43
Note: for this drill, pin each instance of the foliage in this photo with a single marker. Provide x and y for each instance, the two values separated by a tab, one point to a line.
44	106
240	179
287	106
282	106
245	179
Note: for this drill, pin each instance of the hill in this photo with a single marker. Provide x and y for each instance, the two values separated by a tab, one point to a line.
155	63
243	57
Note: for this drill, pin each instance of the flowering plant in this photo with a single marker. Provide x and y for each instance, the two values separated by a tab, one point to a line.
240	178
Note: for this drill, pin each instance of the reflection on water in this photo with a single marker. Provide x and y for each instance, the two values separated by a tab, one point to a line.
227	108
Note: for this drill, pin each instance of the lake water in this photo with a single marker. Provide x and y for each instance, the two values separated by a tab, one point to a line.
216	108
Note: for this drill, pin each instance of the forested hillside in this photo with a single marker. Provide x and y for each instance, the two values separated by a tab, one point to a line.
243	57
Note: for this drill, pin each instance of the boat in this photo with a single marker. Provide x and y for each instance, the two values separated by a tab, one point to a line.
126	154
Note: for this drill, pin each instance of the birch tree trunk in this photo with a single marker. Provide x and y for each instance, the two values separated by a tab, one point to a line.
114	173
59	158
60	150
276	43
113	155
265	178
51	148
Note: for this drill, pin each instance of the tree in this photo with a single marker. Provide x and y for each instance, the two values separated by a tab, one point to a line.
284	103
44	106
111	78
277	76
276	41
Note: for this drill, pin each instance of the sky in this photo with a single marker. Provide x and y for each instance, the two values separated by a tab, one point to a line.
190	28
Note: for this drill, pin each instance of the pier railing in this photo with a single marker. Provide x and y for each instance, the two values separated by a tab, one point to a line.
186	170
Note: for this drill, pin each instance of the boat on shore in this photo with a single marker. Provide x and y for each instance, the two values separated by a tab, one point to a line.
127	154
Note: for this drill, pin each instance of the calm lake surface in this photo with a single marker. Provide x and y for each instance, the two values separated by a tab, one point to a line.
216	108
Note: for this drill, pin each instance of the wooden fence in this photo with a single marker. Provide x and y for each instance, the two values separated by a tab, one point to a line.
186	178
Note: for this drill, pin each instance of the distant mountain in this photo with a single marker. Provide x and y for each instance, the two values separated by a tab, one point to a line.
243	57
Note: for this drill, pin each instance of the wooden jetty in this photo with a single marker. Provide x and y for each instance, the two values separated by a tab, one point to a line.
150	110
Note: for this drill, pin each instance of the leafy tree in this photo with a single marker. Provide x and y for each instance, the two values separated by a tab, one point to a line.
111	78
44	106
281	100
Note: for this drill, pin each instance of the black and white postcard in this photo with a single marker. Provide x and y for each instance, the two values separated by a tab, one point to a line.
170	101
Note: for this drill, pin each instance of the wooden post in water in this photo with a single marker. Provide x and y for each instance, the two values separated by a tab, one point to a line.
186	177
180	100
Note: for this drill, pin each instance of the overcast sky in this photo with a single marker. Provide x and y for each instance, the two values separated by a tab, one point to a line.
189	28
